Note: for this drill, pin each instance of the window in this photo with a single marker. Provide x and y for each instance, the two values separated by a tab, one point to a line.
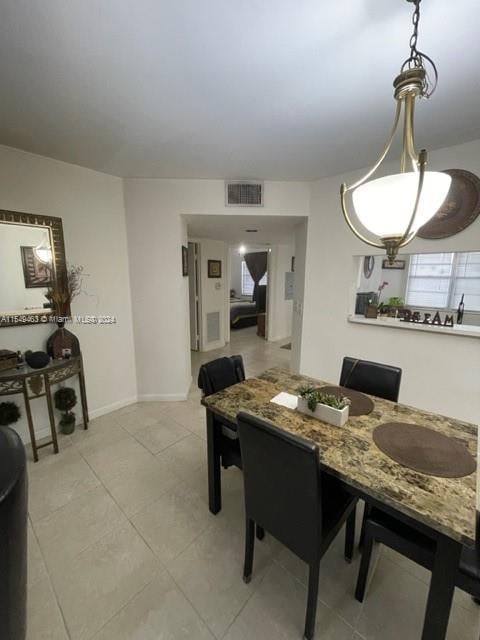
439	280
247	281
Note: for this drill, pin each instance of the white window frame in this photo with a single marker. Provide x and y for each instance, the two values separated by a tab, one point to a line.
451	285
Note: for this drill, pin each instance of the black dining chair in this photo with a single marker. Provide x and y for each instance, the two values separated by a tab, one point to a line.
221	373
215	376
287	495
383	528
374	378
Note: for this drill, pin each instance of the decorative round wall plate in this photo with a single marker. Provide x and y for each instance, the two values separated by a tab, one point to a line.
368	264
460	209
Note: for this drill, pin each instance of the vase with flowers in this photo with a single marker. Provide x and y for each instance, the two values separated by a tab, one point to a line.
66	286
374	304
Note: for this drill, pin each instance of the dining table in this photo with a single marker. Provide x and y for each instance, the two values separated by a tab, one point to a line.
442	508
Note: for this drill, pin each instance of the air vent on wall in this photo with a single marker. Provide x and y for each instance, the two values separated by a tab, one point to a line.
243	193
213	326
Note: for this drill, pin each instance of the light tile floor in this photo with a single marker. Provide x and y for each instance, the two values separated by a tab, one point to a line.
122	545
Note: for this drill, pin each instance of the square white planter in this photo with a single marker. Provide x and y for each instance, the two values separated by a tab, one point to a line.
337	417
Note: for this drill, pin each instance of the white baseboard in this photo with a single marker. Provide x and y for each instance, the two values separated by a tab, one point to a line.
96	413
44	432
165	397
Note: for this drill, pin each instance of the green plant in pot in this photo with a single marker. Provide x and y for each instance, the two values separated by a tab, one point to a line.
65	399
315	396
9	413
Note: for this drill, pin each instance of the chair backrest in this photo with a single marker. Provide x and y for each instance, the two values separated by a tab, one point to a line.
220	373
282	484
377	379
13	536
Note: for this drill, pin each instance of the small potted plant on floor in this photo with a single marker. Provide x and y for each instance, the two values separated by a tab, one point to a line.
65	399
324	406
9	413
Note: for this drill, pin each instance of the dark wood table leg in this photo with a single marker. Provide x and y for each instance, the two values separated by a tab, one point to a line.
51	415
30	422
83	397
442	585
213	455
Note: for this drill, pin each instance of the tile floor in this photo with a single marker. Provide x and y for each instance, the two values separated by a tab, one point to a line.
122	545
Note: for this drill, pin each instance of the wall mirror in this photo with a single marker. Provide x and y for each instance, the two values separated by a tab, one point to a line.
32	252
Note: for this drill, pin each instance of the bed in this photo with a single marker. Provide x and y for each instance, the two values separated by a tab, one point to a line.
243	313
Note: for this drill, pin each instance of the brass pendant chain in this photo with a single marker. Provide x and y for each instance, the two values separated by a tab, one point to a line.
417	59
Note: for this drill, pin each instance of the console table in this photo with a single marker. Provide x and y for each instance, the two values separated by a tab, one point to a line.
37	383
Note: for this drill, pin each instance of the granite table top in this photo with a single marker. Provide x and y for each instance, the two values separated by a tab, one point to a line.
444	504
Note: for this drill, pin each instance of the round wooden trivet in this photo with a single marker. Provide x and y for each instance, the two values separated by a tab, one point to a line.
361	405
424	450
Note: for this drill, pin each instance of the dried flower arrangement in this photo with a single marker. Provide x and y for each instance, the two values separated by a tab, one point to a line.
66	286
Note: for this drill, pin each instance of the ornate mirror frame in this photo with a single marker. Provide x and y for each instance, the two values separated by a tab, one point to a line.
59	263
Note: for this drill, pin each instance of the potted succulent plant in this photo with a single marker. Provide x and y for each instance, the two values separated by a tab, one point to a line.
9	413
65	399
324	406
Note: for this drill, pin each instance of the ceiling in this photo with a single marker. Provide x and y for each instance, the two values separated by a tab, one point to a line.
270	89
232	229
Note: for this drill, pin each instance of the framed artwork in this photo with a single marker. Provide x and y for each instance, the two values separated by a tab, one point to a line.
460	208
214	268
184	261
397	264
36	274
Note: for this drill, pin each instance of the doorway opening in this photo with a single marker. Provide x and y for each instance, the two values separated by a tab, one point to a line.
245	286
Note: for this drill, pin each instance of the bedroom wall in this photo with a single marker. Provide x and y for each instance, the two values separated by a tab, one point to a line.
440	372
91	207
154	209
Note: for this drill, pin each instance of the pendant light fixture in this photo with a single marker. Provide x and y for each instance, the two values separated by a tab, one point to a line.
393	208
43	251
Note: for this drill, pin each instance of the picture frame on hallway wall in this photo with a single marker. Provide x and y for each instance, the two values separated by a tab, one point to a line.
184	261
214	268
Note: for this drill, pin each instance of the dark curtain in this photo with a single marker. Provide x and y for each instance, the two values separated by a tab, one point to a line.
257	267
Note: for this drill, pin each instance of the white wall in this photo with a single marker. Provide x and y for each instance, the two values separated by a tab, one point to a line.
159	293
91	207
301	232
213	294
396	278
236	260
279	310
440	373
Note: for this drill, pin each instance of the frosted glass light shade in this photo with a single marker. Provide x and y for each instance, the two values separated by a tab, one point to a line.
44	254
384	206
43	251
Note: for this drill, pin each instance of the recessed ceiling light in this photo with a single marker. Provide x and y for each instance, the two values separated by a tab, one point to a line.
251	230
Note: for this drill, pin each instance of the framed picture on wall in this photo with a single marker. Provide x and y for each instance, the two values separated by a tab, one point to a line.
214	268
35	273
396	264
184	261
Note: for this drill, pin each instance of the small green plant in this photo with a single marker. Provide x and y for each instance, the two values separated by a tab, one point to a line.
9	413
395	302
316	396
65	399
